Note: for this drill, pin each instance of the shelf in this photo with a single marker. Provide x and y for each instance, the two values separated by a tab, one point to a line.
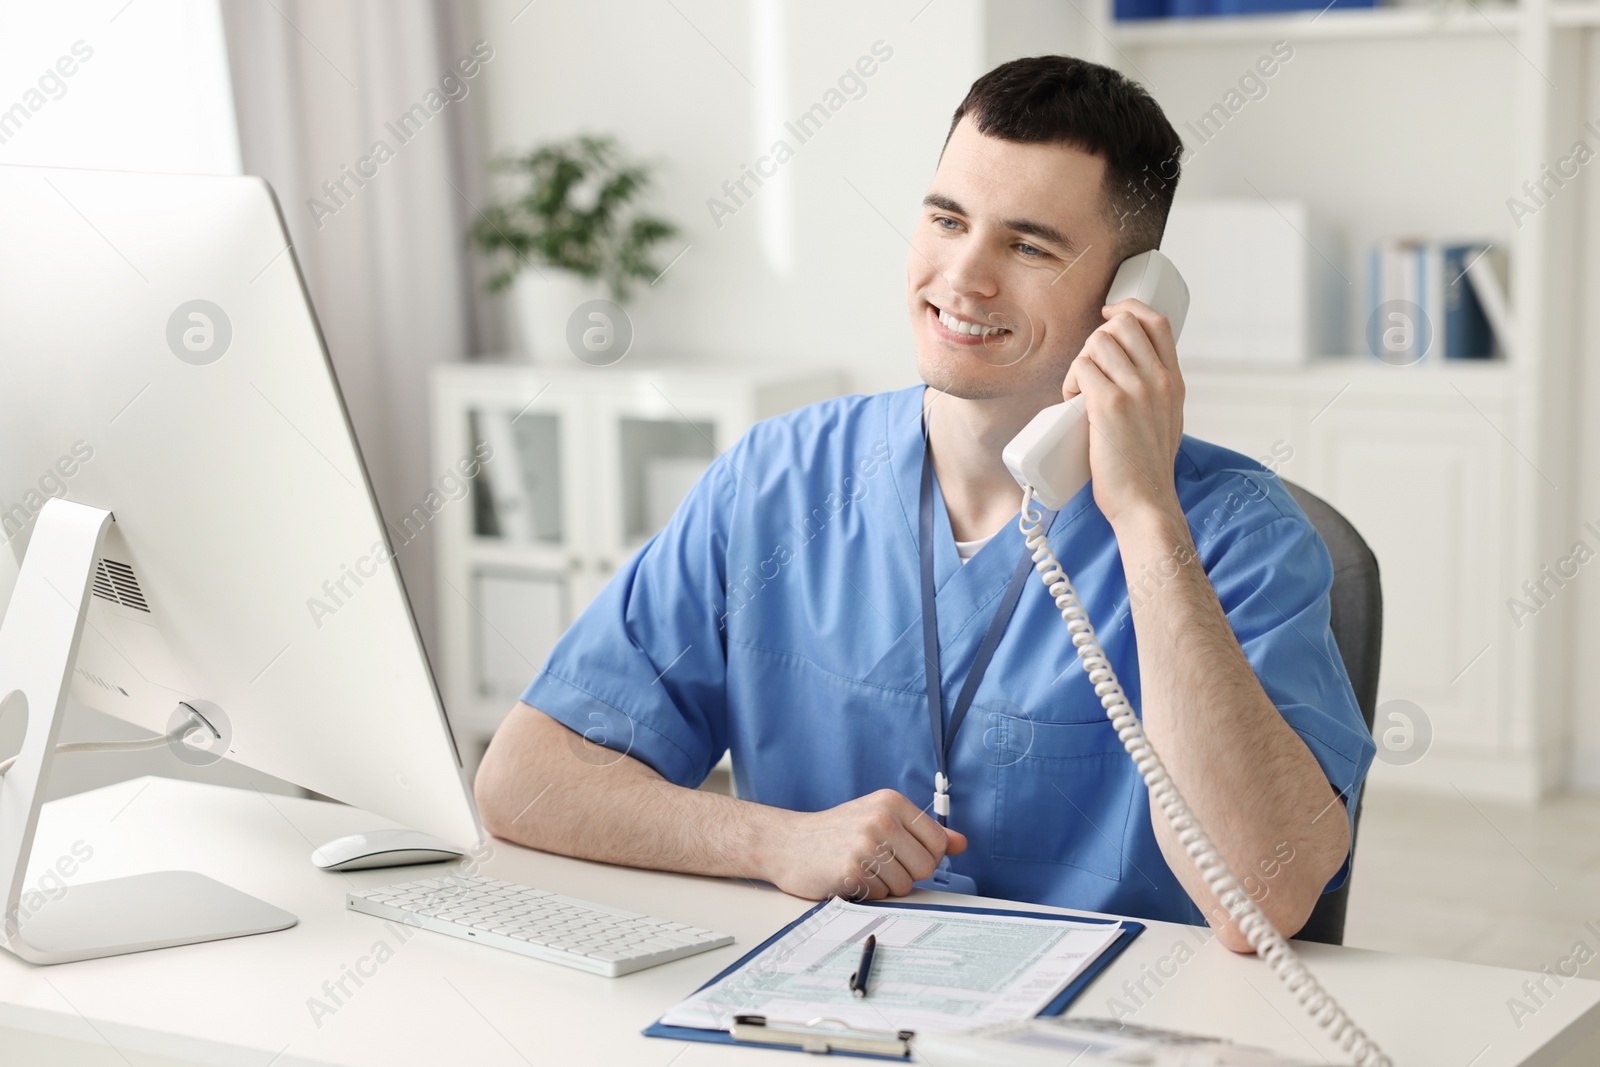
520	555
1575	13
1477	378
1358	24
659	364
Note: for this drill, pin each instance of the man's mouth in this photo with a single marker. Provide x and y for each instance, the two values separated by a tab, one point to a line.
965	330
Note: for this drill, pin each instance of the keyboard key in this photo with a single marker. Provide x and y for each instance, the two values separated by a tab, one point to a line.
593	937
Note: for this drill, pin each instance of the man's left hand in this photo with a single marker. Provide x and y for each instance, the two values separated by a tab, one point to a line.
1133	392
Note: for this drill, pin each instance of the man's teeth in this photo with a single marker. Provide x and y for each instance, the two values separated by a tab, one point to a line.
955	325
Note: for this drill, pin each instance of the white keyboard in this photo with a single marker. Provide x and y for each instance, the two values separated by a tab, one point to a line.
535	922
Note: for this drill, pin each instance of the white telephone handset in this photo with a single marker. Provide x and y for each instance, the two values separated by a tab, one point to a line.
1052	452
1050	461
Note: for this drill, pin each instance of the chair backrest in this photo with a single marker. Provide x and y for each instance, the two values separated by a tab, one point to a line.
1357	623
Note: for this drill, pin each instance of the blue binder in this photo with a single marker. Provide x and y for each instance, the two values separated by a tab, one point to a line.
1466	328
1130	930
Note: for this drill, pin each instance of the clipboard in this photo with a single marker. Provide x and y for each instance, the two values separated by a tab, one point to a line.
755	1033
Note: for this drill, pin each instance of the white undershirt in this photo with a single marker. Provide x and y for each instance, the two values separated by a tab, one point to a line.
967	549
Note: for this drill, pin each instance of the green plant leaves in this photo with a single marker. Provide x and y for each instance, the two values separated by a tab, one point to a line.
572	214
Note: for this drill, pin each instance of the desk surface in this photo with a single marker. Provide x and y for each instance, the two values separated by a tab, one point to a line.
433	999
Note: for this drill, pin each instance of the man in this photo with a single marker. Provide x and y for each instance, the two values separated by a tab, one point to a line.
780	613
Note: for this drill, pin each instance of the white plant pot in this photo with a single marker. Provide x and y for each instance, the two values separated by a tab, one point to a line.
543	306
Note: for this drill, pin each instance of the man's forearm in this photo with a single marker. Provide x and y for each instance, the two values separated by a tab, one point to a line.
1246	775
544	786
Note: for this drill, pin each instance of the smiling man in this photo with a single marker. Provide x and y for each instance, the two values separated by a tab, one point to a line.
842	601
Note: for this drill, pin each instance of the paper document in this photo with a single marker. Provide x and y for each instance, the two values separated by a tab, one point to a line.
933	971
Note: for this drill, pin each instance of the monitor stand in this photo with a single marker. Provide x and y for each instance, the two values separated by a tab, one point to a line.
38	644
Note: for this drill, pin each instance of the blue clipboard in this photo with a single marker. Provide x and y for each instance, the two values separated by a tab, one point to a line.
1130	930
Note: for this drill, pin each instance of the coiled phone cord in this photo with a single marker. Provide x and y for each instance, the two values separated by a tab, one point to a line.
1252	921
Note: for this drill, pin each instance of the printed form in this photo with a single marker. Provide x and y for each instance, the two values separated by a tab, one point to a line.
932	971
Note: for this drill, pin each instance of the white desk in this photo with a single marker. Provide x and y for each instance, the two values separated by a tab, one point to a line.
443	1001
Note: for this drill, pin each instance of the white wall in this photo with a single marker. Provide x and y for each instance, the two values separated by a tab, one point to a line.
1017	28
810	269
137	88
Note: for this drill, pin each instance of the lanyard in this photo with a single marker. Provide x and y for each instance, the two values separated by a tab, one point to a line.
942	739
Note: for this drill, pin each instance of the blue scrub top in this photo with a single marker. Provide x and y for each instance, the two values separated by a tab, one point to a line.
778	615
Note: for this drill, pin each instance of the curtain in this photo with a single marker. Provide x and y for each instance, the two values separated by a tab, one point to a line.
360	113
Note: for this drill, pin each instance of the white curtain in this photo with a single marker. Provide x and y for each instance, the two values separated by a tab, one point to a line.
317	85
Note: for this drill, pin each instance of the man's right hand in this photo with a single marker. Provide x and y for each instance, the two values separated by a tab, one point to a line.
864	849
544	786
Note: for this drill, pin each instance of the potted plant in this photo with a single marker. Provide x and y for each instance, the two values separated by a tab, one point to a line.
572	222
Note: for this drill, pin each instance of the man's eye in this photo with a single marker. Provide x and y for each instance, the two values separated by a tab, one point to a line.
1024	244
940	220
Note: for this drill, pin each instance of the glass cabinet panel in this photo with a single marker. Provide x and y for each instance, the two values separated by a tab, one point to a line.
661	459
518	494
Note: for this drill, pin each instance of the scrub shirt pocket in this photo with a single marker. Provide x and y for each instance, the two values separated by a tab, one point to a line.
1066	798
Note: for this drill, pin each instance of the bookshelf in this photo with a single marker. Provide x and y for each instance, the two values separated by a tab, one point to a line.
1462	476
1383	23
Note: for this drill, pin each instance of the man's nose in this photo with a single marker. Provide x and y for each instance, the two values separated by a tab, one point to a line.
968	268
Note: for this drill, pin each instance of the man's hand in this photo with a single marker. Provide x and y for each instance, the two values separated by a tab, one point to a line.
536	787
865	849
1133	391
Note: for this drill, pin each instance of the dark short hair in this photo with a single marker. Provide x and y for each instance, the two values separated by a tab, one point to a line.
1060	99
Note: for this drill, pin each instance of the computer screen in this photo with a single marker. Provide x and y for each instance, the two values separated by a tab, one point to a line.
160	359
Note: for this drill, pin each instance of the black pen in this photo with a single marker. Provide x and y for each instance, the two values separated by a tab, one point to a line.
858	981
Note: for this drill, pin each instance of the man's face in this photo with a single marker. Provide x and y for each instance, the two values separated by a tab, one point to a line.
1013	236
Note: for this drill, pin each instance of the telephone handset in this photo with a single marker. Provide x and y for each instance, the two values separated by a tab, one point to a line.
1052	452
1050	461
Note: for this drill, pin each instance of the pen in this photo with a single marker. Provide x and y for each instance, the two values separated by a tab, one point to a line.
858	981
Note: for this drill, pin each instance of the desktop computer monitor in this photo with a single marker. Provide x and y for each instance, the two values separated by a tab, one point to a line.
160	360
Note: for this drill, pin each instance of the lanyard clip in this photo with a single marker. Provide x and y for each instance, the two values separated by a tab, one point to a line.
941	795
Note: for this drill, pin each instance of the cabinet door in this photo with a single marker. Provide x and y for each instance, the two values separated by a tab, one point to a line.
1423	489
523	500
507	565
520	613
654	440
1260	426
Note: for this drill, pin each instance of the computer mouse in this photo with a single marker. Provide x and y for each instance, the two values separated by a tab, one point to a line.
382	848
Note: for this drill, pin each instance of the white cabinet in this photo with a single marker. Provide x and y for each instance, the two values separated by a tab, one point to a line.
1418	461
1422	485
579	468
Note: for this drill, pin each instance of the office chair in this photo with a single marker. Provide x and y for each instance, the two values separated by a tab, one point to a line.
1357	623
